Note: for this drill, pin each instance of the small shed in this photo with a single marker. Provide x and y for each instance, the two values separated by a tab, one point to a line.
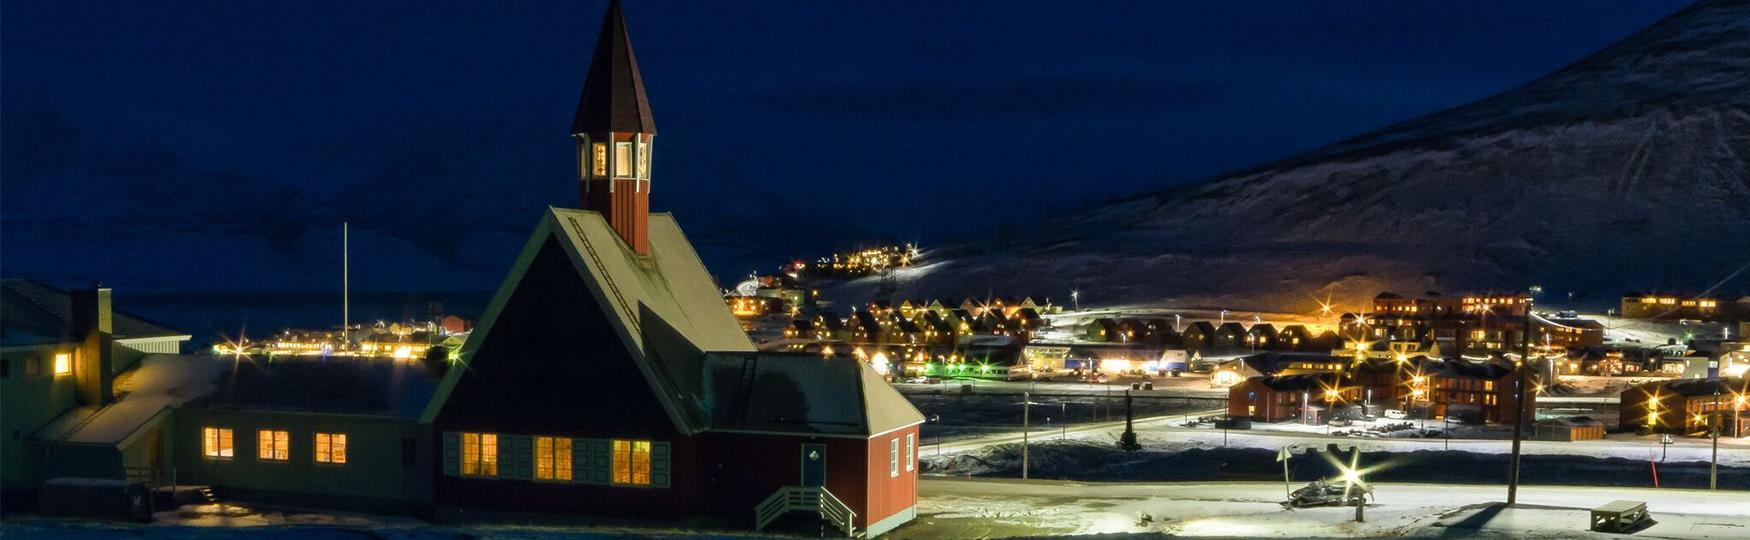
1578	428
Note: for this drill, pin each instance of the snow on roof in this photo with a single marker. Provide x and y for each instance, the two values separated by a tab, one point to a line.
802	394
159	382
665	306
345	385
31	312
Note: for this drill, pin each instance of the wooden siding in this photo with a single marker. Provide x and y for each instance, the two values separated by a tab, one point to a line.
887	494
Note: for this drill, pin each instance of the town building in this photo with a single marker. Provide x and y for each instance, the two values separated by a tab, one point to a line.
61	355
1687	406
707	425
607	378
1672	306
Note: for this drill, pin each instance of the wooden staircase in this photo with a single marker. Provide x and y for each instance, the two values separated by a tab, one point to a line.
816	500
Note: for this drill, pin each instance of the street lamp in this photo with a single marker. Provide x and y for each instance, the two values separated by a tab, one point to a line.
937	420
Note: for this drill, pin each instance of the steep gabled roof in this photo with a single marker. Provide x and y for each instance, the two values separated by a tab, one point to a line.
664	306
613	95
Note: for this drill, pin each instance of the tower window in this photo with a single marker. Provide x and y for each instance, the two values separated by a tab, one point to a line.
600	162
644	161
622	159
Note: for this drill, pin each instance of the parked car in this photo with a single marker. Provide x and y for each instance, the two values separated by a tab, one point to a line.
1395	414
1324	493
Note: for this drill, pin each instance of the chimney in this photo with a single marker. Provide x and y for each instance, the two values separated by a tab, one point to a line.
93	366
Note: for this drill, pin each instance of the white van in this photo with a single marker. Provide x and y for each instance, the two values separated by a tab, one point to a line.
1395	414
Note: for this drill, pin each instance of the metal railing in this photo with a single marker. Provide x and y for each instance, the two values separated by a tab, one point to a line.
811	499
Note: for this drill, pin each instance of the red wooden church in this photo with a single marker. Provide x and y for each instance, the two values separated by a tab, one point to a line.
608	378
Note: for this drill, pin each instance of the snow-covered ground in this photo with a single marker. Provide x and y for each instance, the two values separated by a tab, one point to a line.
1003	508
1167	434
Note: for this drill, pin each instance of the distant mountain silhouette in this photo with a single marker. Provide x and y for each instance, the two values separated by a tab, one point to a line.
1628	169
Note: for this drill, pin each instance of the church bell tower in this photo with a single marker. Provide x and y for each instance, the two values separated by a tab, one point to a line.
614	133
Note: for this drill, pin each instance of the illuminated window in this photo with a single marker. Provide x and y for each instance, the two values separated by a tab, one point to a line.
644	160
622	159
273	445
1649	300
911	450
331	448
631	462
600	153
893	458
479	454
216	442
553	458
63	364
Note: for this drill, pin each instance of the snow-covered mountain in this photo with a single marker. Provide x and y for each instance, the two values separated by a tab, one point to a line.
1628	169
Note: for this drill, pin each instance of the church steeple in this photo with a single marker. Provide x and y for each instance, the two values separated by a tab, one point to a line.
614	133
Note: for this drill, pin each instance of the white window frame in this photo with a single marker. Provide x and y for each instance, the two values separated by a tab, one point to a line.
911	452
630	162
893	458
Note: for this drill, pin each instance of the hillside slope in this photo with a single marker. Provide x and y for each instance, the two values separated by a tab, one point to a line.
1628	169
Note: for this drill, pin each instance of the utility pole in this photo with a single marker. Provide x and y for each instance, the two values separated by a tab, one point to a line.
1519	406
1063	414
1713	466
1026	407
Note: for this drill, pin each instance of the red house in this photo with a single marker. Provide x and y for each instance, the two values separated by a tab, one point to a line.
608	378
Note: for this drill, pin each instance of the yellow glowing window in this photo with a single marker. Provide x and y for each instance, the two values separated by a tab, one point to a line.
1667	301
216	442
631	462
1649	300
479	454
622	159
63	364
600	153
273	445
331	448
552	458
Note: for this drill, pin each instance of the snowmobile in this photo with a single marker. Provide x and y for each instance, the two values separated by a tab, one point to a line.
1326	493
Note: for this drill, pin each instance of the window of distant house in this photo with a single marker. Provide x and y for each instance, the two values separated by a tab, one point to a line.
631	462
479	454
893	458
911	451
331	448
63	363
622	159
273	445
553	458
216	442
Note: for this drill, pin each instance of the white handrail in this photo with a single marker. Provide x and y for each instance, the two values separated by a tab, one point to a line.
813	499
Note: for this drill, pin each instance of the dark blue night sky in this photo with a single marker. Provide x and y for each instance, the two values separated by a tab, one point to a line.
910	119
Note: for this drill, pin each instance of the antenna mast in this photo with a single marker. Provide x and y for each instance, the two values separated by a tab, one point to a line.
345	285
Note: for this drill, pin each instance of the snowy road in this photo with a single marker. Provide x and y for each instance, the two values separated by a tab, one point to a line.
1166	433
999	508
